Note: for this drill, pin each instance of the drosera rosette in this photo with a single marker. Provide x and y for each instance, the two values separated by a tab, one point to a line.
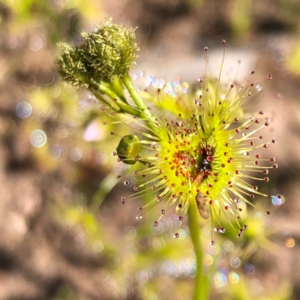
208	154
200	150
194	149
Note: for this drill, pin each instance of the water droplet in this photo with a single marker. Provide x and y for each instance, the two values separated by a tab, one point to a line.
258	88
222	230
139	217
278	200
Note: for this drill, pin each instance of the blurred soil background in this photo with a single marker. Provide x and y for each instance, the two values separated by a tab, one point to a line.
64	233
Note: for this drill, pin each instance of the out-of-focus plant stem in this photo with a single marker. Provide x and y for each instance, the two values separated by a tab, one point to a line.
201	289
108	183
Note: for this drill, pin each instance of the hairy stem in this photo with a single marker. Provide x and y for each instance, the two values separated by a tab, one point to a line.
201	289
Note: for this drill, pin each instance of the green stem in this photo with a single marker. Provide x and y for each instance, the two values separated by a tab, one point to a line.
122	107
201	291
145	113
142	112
104	88
135	95
98	88
100	97
111	89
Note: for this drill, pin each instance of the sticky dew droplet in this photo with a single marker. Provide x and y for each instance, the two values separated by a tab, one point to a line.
277	200
258	88
176	235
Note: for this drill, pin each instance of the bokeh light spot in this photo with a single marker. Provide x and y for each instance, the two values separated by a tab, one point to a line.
98	246
290	242
182	234
37	42
213	249
249	269
76	154
23	110
130	232
93	132
38	138
234	277
208	260
220	279
56	151
235	262
102	158
228	246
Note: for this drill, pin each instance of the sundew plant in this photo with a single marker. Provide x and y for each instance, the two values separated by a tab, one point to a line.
196	150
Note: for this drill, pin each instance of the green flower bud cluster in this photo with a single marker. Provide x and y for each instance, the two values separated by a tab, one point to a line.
102	64
71	65
109	52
